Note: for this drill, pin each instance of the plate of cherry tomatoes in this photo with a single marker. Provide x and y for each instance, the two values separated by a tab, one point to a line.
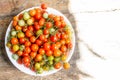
40	41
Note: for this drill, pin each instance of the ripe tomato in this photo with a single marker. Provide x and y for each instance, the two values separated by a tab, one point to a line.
38	16
19	53
34	47
22	40
27	43
27	64
49	52
30	28
48	25
46	46
64	36
33	54
57	65
44	6
20	16
57	53
26	59
14	41
63	48
38	57
27	50
15	18
19	60
62	41
28	33
58	24
37	27
17	27
56	18
41	21
67	41
69	45
38	42
14	23
38	10
41	51
32	12
32	39
63	24
66	65
46	31
45	40
42	37
58	44
24	29
25	54
53	47
53	38
58	35
51	16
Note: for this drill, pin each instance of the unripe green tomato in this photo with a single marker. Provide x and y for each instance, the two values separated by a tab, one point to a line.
57	59
15	56
40	71
50	58
39	32
20	35
13	33
45	15
26	16
21	23
37	66
22	47
29	21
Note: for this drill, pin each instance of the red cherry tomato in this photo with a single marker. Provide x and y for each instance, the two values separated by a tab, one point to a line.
22	40
41	21
33	54
26	59
46	46
37	27
38	42
48	25
41	51
46	31
30	28
28	33
34	47
38	57
44	6
53	38
56	18
63	48
38	16
14	41
42	37
58	24
27	50
53	47
32	39
27	43
20	53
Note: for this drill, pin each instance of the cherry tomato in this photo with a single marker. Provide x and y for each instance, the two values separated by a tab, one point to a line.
19	60
27	50
41	51
24	29
14	23
69	45
53	38
49	52
51	16
44	6
25	54
63	48
58	44
57	65
32	12
66	65
41	21
30	28
20	16
58	35
56	18
64	36
57	53
27	43
19	53
33	54
62	41
20	34
18	27
28	33
14	41
32	39
15	18
26	59
38	42
46	46
27	64
38	16
58	24
38	57
22	40
42	37
48	25
46	31
34	47
37	27
53	47
63	24
67	41
45	40
38	10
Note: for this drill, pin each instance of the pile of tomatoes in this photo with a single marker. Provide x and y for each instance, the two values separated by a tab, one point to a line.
39	40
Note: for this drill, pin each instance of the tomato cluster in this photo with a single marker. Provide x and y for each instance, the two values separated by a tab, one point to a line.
39	40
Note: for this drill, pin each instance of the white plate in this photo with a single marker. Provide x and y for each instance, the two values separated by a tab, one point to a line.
27	70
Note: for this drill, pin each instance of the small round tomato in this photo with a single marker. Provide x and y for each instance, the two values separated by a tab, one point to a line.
45	40
46	31
48	25
20	35
57	65
42	37
62	41
46	46
63	48
67	41
26	59
28	33
22	40
24	29
41	51
15	18
27	43
53	38
18	27
41	21
25	54
32	39
20	53
38	16
34	47
58	24
57	53
58	35
27	50
30	28
58	44
44	6
38	10
20	16
32	12
69	45
51	16
63	24
56	18
27	64
53	47
48	52
14	41
33	54
19	60
37	27
14	23
64	36
15	47
38	42
66	65
64	57
38	57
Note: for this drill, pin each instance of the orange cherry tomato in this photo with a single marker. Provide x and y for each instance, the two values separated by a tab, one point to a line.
56	18
38	42
33	54
27	50
48	25
30	28
64	36
63	48
34	47
49	52
57	53
38	10
46	46
27	43
63	24
66	65
57	65
42	37
14	41
28	33
14	23
44	6
41	51
46	31
32	12
20	53
53	47
18	27
22	40
41	21
38	57
58	24
15	18
32	39
62	41
58	44
26	59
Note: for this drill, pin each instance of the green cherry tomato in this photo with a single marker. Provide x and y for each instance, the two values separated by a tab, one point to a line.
50	62
15	56
15	47
51	30
57	59
21	23
13	33
39	32
45	15
50	58
40	71
8	44
26	16
22	47
37	66
20	35
29	21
